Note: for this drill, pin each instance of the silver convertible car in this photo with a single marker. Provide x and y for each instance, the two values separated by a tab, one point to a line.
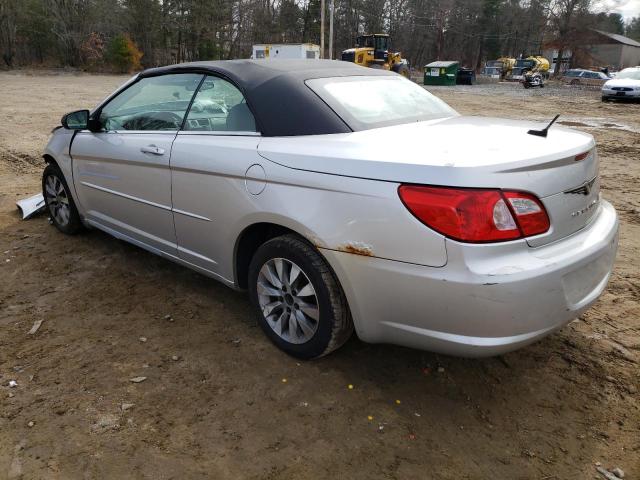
343	198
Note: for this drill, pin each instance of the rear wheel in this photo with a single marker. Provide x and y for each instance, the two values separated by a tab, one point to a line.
575	82
60	204
297	298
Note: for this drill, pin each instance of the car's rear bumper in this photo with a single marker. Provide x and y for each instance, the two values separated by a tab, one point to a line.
487	299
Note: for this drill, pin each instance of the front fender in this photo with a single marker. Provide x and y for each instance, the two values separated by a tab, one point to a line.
57	150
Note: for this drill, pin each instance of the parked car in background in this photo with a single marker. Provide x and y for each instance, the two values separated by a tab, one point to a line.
278	178
578	76
626	85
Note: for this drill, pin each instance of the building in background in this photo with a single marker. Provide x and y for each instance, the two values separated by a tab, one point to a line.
286	50
610	49
595	49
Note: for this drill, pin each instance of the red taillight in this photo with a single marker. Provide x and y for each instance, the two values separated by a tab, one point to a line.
476	215
529	212
582	156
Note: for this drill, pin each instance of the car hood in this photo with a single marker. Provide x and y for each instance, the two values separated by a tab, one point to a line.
463	151
622	82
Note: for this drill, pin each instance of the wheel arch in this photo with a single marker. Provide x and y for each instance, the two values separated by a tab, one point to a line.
48	159
58	158
249	240
259	232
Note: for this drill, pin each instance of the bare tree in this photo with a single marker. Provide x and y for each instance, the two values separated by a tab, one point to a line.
8	29
170	31
563	16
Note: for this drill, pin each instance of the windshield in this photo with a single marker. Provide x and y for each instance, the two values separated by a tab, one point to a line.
365	41
372	102
633	74
381	43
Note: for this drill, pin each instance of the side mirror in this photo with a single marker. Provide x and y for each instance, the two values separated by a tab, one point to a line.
78	120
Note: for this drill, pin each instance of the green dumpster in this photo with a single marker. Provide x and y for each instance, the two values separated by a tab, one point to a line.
441	73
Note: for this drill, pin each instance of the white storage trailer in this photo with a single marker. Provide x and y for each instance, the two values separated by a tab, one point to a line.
286	50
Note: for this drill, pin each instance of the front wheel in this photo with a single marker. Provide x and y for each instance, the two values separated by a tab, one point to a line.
57	197
297	298
401	69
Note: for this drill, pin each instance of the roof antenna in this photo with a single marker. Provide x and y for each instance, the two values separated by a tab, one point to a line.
543	132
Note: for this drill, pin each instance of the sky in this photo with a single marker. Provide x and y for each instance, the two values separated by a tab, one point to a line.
627	8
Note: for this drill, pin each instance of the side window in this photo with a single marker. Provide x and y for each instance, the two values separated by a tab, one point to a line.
154	103
219	107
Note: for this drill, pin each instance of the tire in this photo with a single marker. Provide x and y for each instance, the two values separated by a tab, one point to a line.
59	202
401	69
604	99
332	326
575	83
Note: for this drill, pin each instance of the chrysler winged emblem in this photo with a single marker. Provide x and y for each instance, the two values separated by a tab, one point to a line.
584	189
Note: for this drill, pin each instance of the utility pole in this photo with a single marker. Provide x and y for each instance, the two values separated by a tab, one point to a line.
331	6
321	28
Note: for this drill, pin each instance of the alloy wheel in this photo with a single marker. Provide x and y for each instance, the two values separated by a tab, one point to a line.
288	300
57	200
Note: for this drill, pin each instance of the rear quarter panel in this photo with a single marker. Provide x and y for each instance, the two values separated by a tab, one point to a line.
358	216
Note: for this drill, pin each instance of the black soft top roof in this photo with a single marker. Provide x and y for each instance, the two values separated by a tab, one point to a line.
276	93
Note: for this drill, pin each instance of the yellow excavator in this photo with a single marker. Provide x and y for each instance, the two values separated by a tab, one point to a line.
507	65
374	51
532	64
499	68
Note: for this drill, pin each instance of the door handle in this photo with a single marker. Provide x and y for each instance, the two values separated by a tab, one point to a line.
152	149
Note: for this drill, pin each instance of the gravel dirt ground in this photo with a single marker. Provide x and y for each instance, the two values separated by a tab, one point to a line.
219	401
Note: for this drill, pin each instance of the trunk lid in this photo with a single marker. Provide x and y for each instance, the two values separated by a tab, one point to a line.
462	152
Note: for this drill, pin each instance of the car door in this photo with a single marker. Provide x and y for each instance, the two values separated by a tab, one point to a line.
122	173
210	164
588	78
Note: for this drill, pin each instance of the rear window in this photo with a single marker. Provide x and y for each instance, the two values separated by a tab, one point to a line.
372	102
